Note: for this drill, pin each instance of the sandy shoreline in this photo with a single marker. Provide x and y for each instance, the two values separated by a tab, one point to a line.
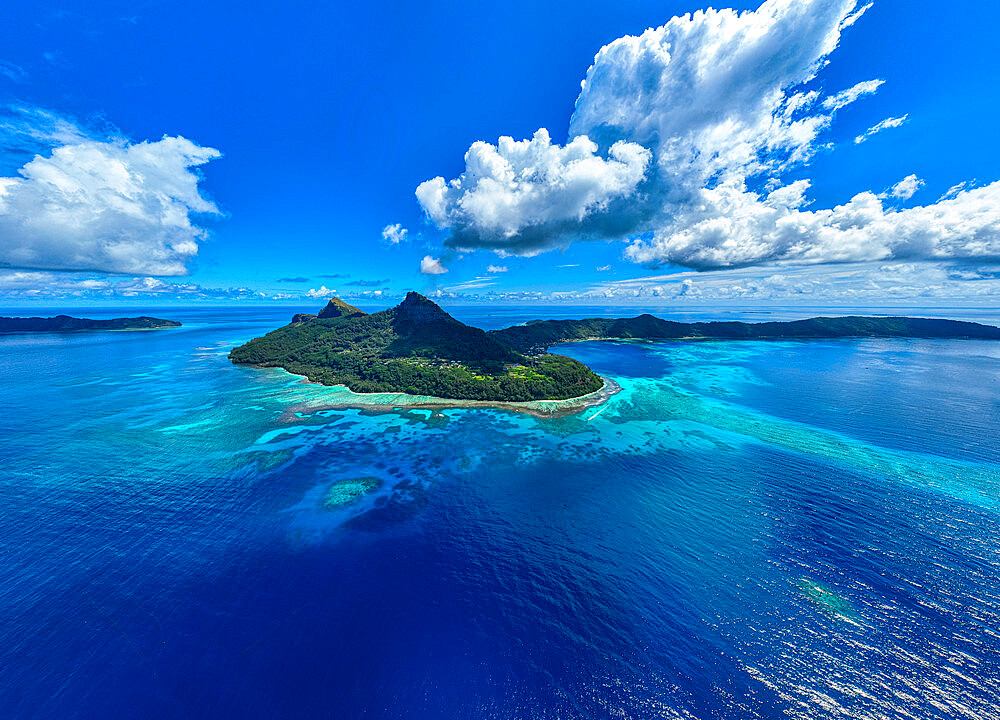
343	398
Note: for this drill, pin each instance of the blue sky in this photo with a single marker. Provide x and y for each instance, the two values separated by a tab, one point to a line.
307	130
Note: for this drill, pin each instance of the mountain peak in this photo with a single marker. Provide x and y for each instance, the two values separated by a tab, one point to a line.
338	308
418	309
415	298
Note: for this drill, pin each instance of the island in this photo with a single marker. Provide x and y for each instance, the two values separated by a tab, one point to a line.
65	323
418	349
414	348
539	335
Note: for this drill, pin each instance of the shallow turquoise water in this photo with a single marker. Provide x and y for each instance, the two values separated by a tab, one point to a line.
746	530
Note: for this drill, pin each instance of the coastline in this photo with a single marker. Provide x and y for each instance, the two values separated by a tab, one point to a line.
342	397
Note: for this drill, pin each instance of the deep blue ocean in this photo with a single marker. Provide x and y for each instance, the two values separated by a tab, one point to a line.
747	530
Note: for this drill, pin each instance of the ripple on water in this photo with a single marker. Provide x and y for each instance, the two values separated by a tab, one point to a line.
683	552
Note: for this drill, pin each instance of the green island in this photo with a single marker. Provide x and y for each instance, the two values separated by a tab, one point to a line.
539	335
415	348
65	323
418	349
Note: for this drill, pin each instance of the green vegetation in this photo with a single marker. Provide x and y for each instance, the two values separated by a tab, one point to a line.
65	323
416	348
338	308
541	334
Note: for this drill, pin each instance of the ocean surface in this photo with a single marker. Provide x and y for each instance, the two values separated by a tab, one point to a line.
748	530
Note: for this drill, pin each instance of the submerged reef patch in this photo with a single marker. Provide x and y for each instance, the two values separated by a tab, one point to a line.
346	492
827	600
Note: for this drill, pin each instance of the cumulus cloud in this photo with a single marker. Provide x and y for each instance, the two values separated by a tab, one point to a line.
321	292
674	134
887	124
101	204
715	94
394	234
496	268
736	228
705	100
517	195
432	266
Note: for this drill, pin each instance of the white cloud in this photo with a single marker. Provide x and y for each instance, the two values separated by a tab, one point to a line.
38	285
603	268
706	99
395	233
714	92
14	73
857	283
321	292
432	266
906	188
846	97
496	268
789	196
474	284
512	195
153	286
855	16
736	228
31	131
887	124
106	205
955	189
924	284
720	102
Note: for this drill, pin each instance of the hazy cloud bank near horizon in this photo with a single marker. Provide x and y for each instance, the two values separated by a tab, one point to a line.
42	285
849	284
679	144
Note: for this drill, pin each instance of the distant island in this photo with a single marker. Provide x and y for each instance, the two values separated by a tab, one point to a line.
539	335
419	349
65	323
415	348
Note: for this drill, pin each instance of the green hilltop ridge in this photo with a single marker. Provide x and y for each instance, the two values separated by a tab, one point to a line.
539	335
338	308
416	348
335	308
